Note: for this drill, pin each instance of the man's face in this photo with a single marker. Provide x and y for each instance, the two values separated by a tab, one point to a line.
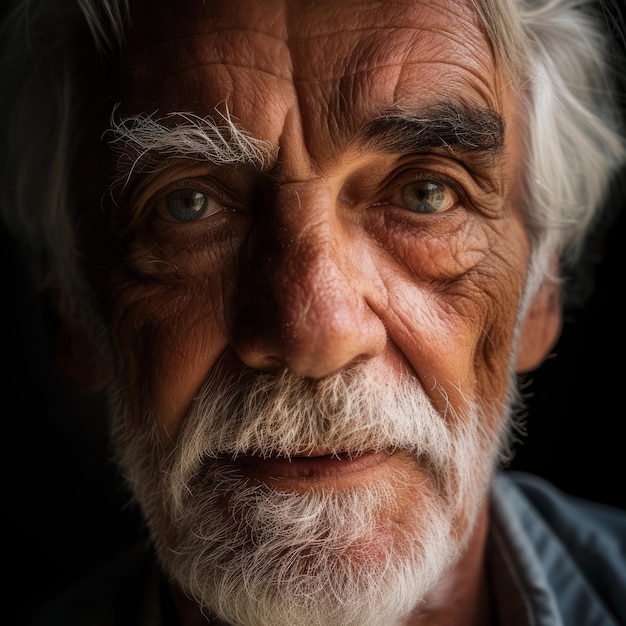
378	248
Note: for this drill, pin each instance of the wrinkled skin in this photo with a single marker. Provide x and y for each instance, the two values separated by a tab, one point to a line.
316	263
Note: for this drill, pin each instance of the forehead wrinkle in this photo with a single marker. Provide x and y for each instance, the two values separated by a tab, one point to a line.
402	66
373	54
225	65
396	15
384	34
212	49
293	34
482	83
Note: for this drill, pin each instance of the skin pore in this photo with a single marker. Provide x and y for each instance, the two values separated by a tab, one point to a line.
380	231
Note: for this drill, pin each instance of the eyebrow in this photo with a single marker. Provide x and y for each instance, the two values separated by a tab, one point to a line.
454	127
141	143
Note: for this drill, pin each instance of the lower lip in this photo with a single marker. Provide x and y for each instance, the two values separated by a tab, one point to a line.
308	468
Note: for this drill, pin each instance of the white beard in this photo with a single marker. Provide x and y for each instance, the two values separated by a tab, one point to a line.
256	556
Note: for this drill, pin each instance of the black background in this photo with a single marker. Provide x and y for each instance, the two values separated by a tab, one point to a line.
64	509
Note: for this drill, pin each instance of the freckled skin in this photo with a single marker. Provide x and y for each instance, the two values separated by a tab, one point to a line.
315	269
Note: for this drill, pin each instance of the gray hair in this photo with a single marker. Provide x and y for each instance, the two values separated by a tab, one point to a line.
556	51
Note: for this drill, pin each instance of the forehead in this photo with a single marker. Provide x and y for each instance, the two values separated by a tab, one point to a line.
315	70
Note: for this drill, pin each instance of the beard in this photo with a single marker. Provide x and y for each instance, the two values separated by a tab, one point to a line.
253	555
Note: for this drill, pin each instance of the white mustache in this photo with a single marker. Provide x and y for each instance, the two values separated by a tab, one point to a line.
350	412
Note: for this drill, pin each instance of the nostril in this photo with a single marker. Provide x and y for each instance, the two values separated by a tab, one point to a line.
256	342
272	364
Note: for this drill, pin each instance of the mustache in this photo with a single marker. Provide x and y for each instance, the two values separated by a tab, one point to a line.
359	409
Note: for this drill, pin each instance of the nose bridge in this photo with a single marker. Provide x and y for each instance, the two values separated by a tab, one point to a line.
301	301
295	240
308	233
316	279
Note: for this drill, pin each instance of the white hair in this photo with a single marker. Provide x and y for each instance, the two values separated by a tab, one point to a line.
216	141
561	55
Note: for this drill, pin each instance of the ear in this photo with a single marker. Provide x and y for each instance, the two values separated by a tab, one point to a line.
74	351
541	327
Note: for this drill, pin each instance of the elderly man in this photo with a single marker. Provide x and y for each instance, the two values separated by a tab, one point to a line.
307	246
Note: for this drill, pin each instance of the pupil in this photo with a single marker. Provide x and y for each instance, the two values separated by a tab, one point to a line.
424	196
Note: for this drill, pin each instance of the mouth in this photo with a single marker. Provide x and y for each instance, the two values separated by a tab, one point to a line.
313	467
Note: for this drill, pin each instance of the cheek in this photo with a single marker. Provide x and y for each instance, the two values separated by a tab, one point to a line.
167	338
453	315
168	316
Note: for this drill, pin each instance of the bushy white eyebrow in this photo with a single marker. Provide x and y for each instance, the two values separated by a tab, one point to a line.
144	141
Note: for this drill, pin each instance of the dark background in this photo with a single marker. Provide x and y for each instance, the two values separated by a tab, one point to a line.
64	509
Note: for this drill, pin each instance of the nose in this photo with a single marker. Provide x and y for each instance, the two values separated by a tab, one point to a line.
302	297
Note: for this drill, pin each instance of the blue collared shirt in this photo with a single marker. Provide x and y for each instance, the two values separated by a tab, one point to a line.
555	560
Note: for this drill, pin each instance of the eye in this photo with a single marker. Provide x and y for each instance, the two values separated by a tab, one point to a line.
188	205
427	196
